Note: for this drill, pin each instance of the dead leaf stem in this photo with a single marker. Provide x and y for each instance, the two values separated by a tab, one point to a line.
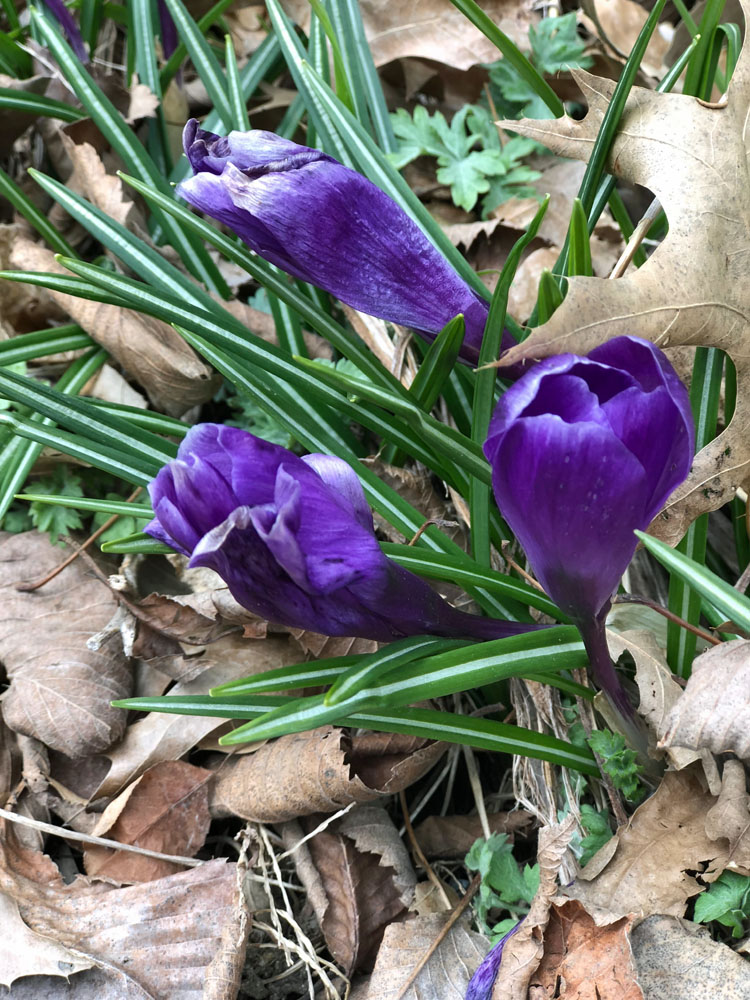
419	853
670	615
78	549
85	838
457	911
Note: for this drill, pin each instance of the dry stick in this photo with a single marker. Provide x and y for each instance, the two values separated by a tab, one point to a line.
419	852
476	788
87	838
670	615
636	239
505	548
26	587
459	909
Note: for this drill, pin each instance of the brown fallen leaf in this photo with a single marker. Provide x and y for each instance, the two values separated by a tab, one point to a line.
169	370
155	936
143	101
447	972
23	952
658	689
159	737
433	29
60	689
319	771
360	883
677	960
452	836
647	864
582	961
730	818
621	21
523	951
693	289
714	710
164	810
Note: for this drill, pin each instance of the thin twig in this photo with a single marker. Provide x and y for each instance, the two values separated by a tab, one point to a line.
504	548
476	788
670	615
27	587
419	852
87	838
444	931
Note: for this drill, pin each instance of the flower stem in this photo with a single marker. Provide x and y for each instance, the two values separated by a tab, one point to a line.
607	679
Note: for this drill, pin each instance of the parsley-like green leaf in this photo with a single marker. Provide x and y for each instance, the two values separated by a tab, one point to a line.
727	901
56	520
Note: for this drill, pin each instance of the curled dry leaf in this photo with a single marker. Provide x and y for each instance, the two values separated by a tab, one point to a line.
676	958
165	365
694	288
434	29
60	689
589	961
730	818
164	810
647	864
523	951
452	836
154	935
23	952
159	737
658	689
447	971
714	710
367	880
319	771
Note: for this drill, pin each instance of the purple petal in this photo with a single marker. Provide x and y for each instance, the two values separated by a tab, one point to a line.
69	26
344	481
482	982
573	494
326	224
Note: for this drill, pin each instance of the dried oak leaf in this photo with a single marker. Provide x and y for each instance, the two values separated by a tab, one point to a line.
23	952
646	866
60	689
154	937
364	870
522	952
452	836
730	818
160	736
714	710
658	689
446	973
169	370
319	771
164	810
433	29
677	959
588	961
694	288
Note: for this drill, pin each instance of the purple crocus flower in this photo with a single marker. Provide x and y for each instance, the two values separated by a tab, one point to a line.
327	224
293	539
584	450
65	18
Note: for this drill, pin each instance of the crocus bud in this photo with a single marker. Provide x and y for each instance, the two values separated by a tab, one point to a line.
584	450
327	224
293	539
